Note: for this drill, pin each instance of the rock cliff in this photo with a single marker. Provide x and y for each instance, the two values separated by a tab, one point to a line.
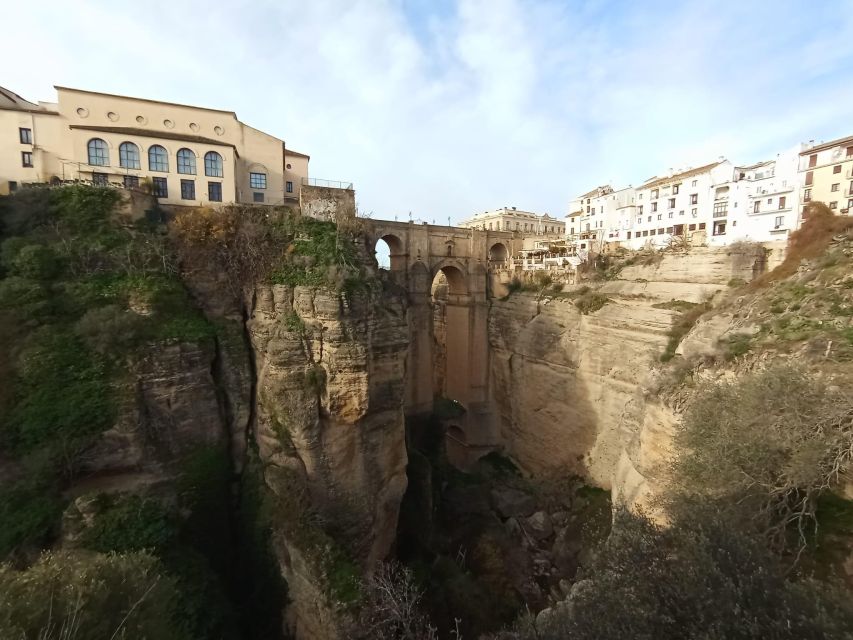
571	388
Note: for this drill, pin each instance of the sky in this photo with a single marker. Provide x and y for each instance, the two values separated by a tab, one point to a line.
440	108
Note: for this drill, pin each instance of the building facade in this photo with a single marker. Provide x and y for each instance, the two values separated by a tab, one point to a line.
188	155
826	175
511	219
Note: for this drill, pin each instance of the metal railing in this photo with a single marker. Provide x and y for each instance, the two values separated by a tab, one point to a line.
331	184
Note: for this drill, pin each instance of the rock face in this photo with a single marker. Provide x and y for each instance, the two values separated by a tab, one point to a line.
329	417
569	388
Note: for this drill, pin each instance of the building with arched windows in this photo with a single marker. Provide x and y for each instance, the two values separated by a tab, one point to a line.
190	155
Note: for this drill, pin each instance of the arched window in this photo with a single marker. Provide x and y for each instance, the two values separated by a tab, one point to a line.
99	155
158	159
128	155
186	161
213	164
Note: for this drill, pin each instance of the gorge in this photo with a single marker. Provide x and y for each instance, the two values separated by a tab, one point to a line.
244	399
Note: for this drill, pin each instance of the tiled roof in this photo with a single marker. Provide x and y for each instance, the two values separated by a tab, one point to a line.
655	182
827	145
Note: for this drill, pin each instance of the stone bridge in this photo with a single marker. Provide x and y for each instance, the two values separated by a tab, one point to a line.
448	318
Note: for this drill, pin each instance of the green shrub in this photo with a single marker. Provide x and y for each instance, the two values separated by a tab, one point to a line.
676	305
681	326
737	345
84	596
109	330
591	302
30	510
129	523
736	282
35	261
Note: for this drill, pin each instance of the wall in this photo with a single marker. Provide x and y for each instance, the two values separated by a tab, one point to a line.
326	203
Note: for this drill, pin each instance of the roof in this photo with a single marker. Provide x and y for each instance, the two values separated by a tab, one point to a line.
679	176
117	95
164	135
827	145
11	101
291	152
605	188
755	166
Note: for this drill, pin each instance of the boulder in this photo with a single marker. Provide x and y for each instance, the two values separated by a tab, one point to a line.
512	503
539	526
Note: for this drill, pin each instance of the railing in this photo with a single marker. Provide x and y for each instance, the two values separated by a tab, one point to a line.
331	184
721	214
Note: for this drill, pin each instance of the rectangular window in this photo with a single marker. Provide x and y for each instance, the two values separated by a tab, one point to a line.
671	214
669	229
701	226
694	183
258	196
781	202
694	212
654	206
836	169
691	227
26	135
849	202
639	220
660	215
672	203
26	158
660	231
258	180
645	233
850	152
214	191
812	160
649	219
99	179
809	178
833	205
641	209
652	232
593	211
807	195
675	189
834	187
161	188
756	207
780	220
130	182
654	194
694	198
187	189
289	188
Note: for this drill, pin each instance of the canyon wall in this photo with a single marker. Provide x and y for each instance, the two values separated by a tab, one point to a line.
571	389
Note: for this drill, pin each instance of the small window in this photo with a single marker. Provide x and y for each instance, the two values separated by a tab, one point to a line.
694	212
629	235
128	156
780	220
645	233
187	189
675	190
836	169
654	206
672	203
812	160
671	213
26	135
756	207
660	231
691	227
849	152
833	205
158	159
834	187
186	163
214	191
694	183
258	180
130	182
26	158
809	178
98	154
289	189
161	188
641	209
694	198
701	226
654	194
213	165
660	215
781	202
257	196
99	179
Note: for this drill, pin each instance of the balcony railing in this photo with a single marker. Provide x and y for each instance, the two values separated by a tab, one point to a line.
330	184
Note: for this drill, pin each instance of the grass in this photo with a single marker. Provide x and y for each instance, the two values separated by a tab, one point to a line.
681	326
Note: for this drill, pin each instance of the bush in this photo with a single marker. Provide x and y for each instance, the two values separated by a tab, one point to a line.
34	261
700	579
681	326
129	523
773	442
591	302
82	596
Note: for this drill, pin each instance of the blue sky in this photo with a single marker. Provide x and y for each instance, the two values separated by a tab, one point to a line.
443	108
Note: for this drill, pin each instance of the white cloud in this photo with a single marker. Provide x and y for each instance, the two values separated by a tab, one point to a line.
481	104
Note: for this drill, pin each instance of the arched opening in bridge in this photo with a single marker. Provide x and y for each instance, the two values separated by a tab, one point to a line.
450	319
390	253
498	254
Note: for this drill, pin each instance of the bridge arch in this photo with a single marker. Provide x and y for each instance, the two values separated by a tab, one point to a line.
456	276
396	250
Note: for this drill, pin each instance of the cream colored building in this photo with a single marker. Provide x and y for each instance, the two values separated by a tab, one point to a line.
511	219
191	155
826	175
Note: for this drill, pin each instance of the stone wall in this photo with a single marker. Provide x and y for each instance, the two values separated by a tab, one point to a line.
327	203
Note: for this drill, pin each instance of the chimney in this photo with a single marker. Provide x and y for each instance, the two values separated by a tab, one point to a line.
671	172
513	208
